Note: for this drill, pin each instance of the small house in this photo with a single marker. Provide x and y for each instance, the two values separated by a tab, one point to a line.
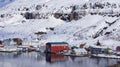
9	49
95	50
79	52
54	47
12	41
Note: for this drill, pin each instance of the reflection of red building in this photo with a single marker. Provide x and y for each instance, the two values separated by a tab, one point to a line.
54	47
55	58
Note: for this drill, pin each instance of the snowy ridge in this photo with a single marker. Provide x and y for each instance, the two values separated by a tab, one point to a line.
87	30
4	2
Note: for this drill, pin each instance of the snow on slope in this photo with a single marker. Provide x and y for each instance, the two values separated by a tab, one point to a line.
5	2
13	25
111	1
28	28
82	31
75	32
69	30
49	5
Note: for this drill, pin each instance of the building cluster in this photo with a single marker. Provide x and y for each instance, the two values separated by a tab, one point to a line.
63	48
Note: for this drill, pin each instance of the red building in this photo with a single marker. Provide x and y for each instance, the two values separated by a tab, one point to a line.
54	47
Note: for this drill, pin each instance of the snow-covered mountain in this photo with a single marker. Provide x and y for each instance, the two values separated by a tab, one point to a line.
99	22
4	2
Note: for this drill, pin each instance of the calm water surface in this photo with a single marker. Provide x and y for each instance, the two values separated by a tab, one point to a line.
35	59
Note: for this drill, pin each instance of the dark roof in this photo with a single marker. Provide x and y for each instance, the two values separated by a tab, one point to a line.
57	43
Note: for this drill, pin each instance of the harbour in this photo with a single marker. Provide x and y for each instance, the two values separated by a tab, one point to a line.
40	59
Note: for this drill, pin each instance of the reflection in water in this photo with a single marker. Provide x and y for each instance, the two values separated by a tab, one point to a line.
34	59
9	55
115	65
55	58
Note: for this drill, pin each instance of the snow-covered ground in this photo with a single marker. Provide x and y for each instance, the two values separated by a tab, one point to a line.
5	2
88	29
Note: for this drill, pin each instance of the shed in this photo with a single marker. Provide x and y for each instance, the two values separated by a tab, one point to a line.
53	47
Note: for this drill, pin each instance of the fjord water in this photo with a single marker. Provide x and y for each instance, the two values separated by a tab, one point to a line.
36	59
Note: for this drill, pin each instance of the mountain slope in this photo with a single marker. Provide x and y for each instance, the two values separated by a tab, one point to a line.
89	29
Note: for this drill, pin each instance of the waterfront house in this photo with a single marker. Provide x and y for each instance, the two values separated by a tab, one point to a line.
12	41
8	49
54	47
96	50
100	50
79	52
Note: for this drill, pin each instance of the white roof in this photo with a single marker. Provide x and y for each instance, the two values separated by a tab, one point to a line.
80	50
